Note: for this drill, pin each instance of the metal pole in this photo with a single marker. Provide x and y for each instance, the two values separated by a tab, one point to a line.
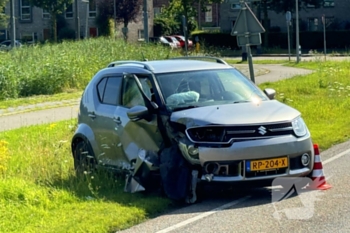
249	52
297	28
184	27
87	19
250	61
324	36
145	20
13	24
288	40
77	23
115	17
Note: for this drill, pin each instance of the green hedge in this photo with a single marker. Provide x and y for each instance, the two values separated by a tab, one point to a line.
308	40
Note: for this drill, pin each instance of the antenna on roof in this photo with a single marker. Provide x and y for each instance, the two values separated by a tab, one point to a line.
144	59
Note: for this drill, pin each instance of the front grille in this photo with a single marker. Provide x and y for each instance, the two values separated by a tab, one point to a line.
228	134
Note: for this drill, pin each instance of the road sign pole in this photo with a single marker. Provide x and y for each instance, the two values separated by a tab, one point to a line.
247	36
247	28
250	62
288	18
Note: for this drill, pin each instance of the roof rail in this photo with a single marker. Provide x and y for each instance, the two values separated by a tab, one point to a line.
116	63
216	59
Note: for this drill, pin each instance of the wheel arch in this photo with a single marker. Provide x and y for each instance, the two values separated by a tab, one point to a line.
84	133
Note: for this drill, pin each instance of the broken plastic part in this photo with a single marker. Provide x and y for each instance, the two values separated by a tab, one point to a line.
209	177
192	198
132	186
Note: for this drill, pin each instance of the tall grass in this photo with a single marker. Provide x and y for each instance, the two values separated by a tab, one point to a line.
53	68
323	98
39	191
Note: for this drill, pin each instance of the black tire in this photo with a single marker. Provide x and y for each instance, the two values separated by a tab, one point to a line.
84	159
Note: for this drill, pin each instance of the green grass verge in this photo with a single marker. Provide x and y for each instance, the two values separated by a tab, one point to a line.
255	61
322	97
40	193
12	103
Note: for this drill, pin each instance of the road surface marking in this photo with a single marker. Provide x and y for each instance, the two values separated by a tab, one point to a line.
203	215
233	203
336	156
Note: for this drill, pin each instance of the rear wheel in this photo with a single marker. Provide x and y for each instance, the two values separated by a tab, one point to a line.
84	159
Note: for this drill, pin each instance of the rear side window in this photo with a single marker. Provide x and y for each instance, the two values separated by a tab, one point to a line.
109	90
101	88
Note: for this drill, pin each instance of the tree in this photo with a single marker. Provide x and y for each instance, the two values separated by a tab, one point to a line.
3	18
179	8
54	7
169	20
127	11
282	7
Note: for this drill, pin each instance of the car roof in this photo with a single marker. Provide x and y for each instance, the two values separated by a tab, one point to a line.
175	65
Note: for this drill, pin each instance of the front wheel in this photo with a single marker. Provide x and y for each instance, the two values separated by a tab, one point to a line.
84	160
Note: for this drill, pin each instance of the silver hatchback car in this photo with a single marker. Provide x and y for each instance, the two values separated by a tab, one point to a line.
176	122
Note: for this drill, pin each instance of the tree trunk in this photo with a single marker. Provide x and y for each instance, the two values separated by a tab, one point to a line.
125	30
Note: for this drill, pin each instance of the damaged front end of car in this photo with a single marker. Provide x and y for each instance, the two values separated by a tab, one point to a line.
168	169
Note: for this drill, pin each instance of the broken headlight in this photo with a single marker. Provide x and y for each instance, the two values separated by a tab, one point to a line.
189	151
206	134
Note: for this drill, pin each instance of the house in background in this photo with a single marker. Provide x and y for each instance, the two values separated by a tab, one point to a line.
34	24
310	18
336	14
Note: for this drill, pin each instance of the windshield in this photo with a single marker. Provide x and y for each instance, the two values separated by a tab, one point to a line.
207	87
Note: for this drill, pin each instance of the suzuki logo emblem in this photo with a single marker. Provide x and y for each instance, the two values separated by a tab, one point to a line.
262	130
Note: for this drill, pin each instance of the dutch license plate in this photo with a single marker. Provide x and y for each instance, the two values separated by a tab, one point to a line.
266	164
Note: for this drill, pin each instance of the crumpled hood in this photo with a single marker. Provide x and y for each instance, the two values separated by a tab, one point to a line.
236	114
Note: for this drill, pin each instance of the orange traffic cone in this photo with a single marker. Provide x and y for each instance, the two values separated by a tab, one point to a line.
317	177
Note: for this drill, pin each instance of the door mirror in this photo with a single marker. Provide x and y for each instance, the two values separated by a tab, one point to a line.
271	93
137	113
149	103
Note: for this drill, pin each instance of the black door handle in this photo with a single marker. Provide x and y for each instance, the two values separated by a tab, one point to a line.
92	115
117	120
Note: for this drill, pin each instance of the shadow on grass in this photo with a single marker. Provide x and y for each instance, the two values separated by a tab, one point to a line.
108	187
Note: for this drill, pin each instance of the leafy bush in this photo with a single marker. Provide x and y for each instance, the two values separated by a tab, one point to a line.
54	68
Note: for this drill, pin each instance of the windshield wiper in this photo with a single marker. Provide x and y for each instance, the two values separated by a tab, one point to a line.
184	107
241	101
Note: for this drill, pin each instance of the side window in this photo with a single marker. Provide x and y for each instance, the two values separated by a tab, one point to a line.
131	94
101	88
109	89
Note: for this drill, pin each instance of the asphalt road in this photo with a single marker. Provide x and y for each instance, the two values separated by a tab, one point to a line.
252	210
13	121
